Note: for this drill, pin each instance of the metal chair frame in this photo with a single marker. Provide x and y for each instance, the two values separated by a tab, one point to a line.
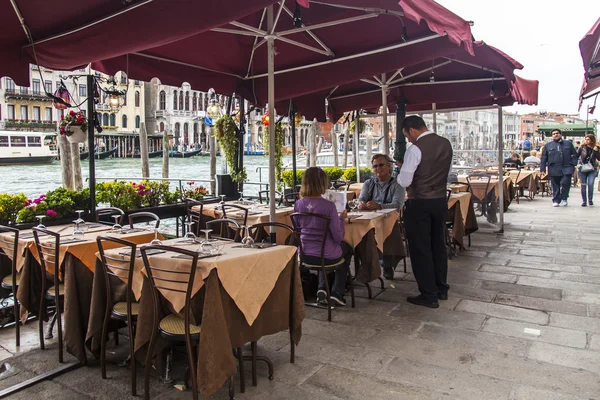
286	199
225	224
194	216
323	268
109	211
143	216
225	207
483	202
107	267
156	283
44	261
14	284
279	197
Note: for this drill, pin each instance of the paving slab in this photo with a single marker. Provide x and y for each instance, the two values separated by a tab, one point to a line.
584	278
529	393
532	291
547	267
565	356
581	297
462	384
537	374
534	332
467	292
585	324
350	385
481	276
536	303
502	311
558	284
438	316
500	269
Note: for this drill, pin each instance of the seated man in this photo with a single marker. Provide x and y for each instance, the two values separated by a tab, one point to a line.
382	191
532	161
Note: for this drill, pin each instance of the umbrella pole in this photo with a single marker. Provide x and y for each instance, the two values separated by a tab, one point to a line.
272	119
500	172
356	145
240	160
400	147
92	160
386	129
293	123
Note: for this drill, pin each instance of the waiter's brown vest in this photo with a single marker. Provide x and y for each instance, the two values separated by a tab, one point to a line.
431	177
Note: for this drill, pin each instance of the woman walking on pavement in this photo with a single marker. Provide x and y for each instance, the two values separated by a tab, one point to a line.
587	165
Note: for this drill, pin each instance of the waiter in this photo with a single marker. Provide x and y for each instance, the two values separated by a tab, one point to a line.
424	173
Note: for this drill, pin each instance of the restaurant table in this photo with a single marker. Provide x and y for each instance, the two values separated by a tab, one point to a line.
77	263
478	187
238	297
462	215
257	213
356	188
371	235
458	187
527	180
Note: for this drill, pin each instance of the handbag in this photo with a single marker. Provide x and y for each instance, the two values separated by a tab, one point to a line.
587	167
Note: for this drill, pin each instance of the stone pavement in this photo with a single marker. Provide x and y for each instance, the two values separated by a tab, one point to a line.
522	322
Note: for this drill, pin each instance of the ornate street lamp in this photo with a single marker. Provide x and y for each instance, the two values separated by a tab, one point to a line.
214	109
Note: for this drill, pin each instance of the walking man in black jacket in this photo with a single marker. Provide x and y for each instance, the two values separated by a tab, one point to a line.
559	158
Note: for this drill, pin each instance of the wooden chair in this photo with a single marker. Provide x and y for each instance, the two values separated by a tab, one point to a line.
172	327
290	199
120	311
194	216
105	215
322	267
228	229
264	195
11	282
143	216
48	252
234	210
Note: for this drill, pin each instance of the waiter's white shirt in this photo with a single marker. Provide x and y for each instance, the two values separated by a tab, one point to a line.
412	159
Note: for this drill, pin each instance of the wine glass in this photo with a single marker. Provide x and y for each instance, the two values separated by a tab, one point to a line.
247	241
206	246
217	249
241	199
116	227
155	240
353	204
222	199
189	235
40	218
332	187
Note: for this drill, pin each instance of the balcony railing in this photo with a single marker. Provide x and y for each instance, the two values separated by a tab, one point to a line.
28	94
29	125
180	113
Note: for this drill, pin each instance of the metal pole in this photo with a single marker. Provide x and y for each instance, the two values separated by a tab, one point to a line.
400	147
433	107
355	146
240	163
386	129
292	118
272	118
500	171
92	160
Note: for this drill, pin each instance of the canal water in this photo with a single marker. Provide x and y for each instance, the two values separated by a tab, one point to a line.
34	180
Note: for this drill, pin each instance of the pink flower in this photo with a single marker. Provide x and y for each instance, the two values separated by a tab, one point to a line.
140	186
37	201
63	131
51	213
42	196
71	113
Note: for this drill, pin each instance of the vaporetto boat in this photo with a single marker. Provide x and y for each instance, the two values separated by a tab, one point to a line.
18	147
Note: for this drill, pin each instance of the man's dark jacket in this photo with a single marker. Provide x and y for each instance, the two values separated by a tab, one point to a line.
559	157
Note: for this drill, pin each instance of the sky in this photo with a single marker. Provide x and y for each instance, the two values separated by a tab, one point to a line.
544	36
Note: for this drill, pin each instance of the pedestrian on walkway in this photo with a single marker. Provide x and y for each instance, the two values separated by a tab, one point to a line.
587	165
424	173
559	159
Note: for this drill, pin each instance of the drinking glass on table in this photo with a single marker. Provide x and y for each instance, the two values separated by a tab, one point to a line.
206	246
116	227
78	232
222	199
354	203
241	199
40	218
247	241
189	235
155	240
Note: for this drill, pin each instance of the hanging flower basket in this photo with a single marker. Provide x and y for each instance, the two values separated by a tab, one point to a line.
74	126
77	135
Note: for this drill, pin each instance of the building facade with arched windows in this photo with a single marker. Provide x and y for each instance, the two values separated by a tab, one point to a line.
179	111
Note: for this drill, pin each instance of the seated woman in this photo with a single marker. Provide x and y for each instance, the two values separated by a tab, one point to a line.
514	159
314	184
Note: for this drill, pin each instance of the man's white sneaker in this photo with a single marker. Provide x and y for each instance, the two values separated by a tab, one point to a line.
564	203
555	204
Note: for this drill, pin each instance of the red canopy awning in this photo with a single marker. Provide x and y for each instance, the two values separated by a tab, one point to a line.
193	42
483	79
589	47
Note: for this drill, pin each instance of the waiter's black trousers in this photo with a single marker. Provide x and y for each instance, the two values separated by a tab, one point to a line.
425	224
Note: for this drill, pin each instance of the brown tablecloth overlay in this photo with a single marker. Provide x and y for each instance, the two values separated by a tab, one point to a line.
478	189
224	326
462	214
282	215
356	188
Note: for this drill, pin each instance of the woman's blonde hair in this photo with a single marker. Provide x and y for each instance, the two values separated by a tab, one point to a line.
314	182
